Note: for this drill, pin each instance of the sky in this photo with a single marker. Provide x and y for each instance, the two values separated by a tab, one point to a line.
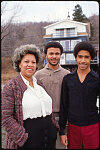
37	11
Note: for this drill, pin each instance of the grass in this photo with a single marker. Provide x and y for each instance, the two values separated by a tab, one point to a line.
7	71
3	138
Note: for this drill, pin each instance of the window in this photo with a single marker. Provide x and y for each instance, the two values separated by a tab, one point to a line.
70	32
70	57
65	44
62	59
60	32
68	45
73	43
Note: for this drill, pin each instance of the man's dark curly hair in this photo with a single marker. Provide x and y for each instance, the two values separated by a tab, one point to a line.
53	44
85	46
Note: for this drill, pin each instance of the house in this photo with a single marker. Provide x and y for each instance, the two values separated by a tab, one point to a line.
68	33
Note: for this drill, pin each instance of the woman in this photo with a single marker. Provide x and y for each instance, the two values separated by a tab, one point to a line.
26	106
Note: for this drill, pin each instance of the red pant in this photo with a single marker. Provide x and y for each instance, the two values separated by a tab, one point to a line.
86	137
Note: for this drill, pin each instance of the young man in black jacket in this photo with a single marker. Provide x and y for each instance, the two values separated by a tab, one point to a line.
79	94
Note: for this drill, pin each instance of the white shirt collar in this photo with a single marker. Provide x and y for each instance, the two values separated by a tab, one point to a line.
26	81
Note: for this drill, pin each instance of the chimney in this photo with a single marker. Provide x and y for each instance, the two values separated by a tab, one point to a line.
68	17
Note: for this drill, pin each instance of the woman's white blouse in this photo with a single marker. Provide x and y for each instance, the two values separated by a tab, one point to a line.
35	102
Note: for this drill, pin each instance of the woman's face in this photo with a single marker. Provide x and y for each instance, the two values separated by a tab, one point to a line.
28	66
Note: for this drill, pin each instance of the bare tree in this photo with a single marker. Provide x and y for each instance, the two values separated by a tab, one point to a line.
6	23
94	19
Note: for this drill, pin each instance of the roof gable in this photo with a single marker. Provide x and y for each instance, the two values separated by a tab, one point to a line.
65	21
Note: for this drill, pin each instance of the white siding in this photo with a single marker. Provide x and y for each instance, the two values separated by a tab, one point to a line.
63	25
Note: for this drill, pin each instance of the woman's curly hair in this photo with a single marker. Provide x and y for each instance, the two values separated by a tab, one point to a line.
21	51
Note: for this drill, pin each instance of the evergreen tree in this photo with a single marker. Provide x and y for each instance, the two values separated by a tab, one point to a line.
78	14
80	17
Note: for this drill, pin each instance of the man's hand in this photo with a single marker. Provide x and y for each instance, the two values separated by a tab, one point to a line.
64	140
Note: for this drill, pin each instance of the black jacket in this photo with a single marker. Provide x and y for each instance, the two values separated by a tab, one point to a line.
78	100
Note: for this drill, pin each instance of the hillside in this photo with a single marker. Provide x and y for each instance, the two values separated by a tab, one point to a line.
30	33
